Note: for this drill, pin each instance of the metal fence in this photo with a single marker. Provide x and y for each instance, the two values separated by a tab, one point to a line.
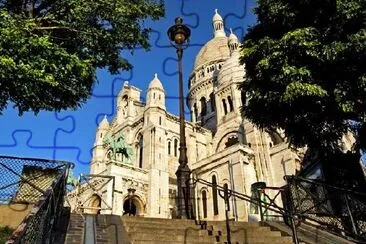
342	211
41	183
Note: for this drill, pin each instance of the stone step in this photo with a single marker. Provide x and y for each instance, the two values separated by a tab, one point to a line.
203	237
191	224
172	238
148	219
169	242
181	229
256	239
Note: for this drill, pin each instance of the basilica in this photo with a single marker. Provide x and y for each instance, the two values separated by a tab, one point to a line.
223	147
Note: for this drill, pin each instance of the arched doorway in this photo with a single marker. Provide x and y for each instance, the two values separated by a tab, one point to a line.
95	204
129	207
133	206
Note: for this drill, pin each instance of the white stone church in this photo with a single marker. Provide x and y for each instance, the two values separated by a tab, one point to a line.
223	147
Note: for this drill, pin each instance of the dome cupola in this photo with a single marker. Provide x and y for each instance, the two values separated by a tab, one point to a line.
218	25
104	124
155	93
233	43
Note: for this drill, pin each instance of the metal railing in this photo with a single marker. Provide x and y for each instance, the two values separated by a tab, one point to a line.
37	182
89	195
341	211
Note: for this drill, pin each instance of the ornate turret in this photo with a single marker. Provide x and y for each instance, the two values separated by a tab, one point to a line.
233	43
155	94
104	124
218	25
99	151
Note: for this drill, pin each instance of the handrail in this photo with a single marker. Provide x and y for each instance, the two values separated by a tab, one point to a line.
268	206
297	192
40	182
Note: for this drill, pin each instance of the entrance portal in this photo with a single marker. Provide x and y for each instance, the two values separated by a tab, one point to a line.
129	207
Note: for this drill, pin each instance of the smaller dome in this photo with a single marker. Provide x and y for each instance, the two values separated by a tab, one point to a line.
231	70
232	36
156	83
216	17
104	124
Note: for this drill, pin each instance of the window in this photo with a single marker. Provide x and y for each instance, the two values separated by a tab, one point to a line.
224	105
242	95
101	135
159	120
214	196
159	97
154	95
203	106
204	203
212	102
230	103
175	147
169	147
140	150
195	111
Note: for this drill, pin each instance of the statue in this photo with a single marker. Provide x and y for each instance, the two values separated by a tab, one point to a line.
117	144
71	180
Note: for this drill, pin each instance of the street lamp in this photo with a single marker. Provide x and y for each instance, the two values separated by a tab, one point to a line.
179	37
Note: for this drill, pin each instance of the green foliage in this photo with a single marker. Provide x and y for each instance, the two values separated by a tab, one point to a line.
5	233
50	49
305	69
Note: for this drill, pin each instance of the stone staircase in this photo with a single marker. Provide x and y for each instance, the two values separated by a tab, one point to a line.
137	230
154	231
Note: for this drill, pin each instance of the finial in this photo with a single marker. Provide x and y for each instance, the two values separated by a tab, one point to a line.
231	30
216	11
105	116
125	83
178	21
156	75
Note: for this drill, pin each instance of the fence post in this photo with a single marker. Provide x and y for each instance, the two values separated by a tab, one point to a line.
227	209
291	208
260	204
354	229
293	228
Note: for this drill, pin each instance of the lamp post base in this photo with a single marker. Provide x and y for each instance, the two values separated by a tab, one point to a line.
184	190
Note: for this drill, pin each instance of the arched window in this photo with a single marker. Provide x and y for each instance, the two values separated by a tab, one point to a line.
212	102
230	103
175	147
169	147
214	196
242	95
140	150
204	203
224	105
195	111
159	120
203	106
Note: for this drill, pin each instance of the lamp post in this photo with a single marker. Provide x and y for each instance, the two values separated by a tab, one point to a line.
179	37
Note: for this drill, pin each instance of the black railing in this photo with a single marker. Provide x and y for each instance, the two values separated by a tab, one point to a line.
341	211
37	182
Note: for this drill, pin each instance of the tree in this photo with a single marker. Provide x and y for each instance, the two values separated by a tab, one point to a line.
305	69
50	49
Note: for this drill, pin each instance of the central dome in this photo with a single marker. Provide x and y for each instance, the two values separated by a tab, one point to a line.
214	50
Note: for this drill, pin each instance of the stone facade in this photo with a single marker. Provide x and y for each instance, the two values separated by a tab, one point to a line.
222	145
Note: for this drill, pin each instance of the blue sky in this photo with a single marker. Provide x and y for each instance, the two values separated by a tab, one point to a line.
70	135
